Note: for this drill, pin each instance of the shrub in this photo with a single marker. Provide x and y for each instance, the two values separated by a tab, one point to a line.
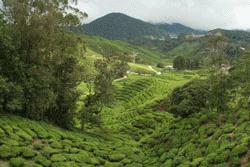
17	162
2	133
56	144
113	164
42	160
67	142
23	135
168	163
58	158
71	150
28	153
116	157
38	146
31	164
80	157
126	161
66	164
235	161
7	152
93	161
11	142
48	151
239	150
222	156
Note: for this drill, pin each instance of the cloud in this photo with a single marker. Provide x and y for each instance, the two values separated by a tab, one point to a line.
200	14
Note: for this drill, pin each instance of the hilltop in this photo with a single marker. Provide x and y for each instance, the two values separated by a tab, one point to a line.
119	26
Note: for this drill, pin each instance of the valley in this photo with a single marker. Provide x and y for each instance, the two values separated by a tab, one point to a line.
119	91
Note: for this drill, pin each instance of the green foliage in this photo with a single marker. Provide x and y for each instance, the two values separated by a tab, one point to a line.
240	150
181	63
42	160
17	162
116	157
28	153
32	57
79	149
6	151
57	158
186	50
134	53
108	69
188	99
219	94
42	66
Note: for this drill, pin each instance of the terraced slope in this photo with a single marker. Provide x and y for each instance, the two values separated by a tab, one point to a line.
203	140
136	95
141	89
187	50
140	136
28	143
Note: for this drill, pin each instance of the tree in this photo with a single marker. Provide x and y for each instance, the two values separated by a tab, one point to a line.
11	92
217	45
47	55
179	63
11	96
160	65
188	99
108	69
240	77
220	85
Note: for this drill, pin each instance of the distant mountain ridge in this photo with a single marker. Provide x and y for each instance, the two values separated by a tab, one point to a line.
177	28
118	26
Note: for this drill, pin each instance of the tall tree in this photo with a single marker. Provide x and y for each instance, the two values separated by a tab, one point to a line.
48	55
179	63
108	69
217	45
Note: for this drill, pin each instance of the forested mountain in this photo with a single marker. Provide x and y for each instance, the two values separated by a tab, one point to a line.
123	27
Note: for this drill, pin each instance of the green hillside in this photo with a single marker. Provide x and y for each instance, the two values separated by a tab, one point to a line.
109	48
222	140
28	143
134	134
74	100
187	50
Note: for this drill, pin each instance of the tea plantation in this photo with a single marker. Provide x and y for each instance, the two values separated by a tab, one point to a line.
204	139
28	143
134	134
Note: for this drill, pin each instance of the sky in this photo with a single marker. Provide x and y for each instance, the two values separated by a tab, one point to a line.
199	14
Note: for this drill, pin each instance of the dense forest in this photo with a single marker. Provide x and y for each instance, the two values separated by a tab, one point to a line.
68	98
